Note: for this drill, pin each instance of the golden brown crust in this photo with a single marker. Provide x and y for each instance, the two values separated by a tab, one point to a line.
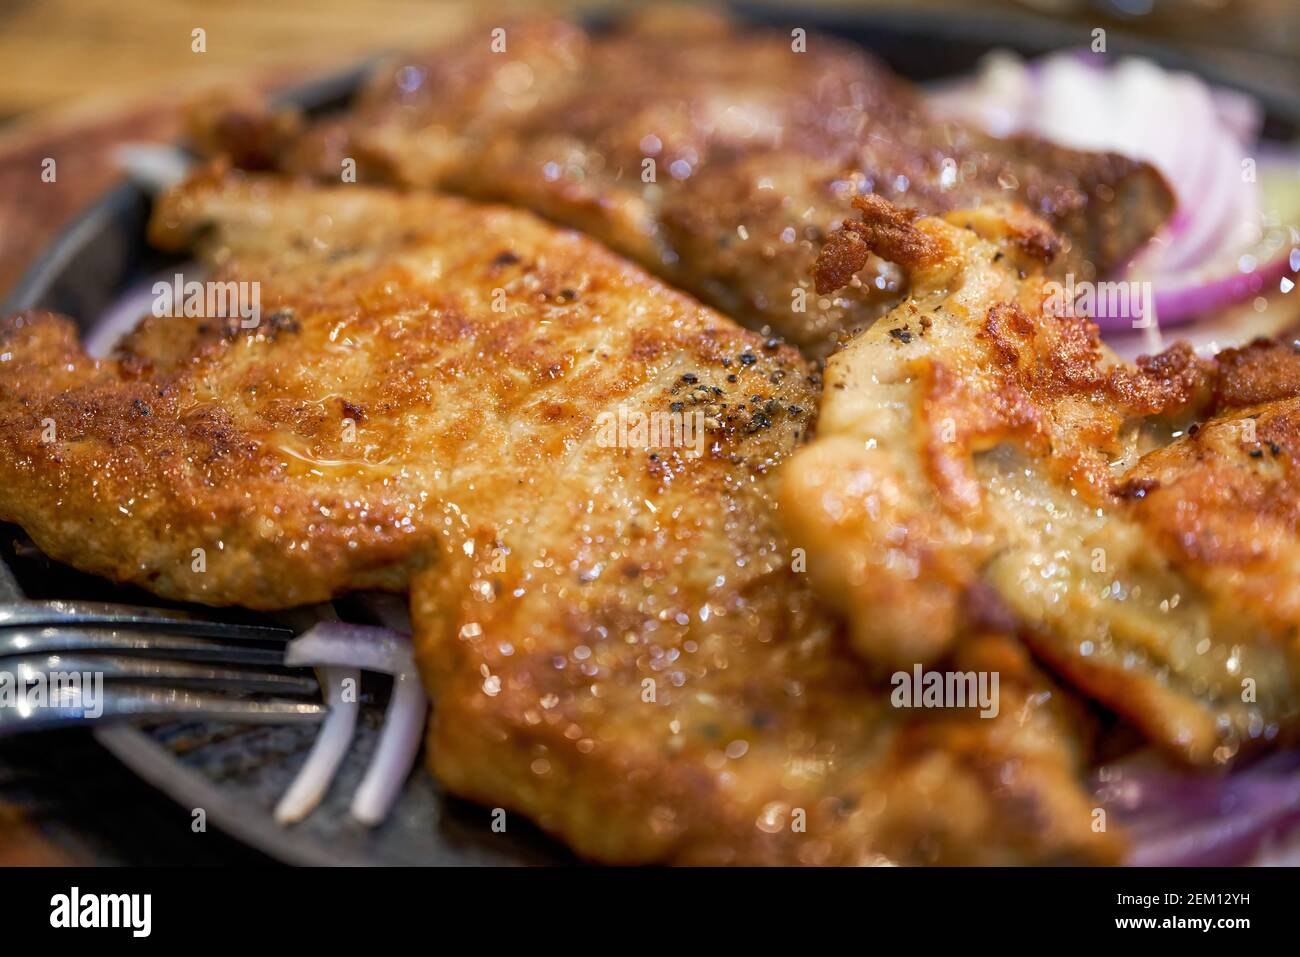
1263	371
239	125
641	734
976	439
884	229
1224	504
616	639
719	157
198	425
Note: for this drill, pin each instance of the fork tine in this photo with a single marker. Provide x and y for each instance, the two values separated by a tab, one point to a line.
133	668
138	703
50	613
52	640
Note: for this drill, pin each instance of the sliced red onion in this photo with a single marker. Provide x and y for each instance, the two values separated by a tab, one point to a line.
1234	326
1192	169
1177	819
328	750
1178	299
1279	852
1225	212
384	650
1239	112
1269	266
1196	136
1198	296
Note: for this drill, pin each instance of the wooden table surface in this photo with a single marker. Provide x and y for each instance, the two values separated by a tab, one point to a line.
80	77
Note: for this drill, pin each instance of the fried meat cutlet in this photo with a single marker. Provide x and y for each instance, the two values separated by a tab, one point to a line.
981	455
717	156
615	635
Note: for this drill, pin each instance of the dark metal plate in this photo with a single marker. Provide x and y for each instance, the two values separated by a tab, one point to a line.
236	774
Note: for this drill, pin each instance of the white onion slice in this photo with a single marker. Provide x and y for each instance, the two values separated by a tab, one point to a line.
153	167
328	750
384	650
998	99
126	311
368	647
340	650
395	754
1072	106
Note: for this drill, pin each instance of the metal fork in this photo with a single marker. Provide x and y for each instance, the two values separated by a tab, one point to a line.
140	663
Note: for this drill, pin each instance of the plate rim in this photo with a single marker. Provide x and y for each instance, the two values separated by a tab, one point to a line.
168	775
